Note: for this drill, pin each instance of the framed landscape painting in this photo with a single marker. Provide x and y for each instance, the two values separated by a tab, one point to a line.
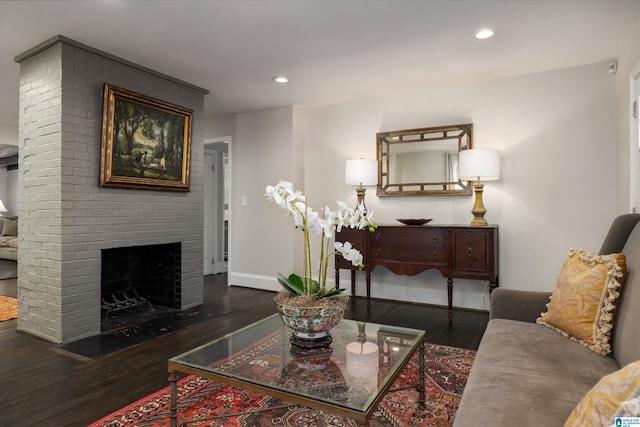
146	143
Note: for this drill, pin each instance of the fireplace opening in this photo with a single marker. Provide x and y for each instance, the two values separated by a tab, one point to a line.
139	283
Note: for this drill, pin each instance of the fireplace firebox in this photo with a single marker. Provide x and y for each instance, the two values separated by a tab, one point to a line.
141	276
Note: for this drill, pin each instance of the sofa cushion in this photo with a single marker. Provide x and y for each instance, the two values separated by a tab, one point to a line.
513	304
8	253
600	404
628	408
583	304
526	374
10	228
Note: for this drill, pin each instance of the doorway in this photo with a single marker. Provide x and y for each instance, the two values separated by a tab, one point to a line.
216	205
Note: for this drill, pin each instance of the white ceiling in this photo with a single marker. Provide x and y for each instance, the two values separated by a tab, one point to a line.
333	50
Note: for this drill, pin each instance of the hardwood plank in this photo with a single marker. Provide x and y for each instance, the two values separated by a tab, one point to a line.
44	387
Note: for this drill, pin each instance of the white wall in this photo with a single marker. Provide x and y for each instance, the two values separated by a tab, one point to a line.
9	190
9	179
262	241
556	131
221	126
628	156
3	186
8	133
558	188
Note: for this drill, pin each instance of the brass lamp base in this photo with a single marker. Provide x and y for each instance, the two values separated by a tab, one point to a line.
360	191
478	210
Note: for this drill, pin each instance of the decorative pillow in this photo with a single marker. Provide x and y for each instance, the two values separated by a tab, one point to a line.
10	228
630	408
600	404
583	304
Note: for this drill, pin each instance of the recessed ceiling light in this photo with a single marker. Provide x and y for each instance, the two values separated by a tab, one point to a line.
280	79
484	33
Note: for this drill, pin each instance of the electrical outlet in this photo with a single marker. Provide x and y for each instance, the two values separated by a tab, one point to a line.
243	201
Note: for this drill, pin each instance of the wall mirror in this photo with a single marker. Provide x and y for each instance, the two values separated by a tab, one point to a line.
422	162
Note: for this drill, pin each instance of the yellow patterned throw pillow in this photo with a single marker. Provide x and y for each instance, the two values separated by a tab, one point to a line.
583	304
603	400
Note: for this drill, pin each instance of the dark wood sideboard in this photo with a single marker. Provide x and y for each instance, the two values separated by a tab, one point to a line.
457	251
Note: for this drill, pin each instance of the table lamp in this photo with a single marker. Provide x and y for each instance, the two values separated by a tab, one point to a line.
361	172
479	164
2	208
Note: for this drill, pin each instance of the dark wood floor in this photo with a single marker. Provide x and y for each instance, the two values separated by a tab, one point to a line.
43	387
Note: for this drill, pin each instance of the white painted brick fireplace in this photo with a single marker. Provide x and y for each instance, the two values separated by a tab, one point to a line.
66	218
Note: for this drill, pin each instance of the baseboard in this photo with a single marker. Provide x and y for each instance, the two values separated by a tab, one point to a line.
266	283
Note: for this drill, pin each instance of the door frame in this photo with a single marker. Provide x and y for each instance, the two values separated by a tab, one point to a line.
217	232
634	139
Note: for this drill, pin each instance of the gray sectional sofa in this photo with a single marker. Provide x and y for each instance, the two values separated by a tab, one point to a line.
8	248
526	374
9	238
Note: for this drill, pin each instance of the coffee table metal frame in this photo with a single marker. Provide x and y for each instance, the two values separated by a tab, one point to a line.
200	362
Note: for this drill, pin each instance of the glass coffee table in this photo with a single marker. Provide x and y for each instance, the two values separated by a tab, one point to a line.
348	378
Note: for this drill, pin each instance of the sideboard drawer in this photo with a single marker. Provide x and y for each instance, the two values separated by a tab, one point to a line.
473	253
409	244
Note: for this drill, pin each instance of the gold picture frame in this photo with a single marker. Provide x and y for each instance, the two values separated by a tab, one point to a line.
146	142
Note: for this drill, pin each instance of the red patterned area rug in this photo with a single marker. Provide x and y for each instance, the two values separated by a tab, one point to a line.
447	369
8	308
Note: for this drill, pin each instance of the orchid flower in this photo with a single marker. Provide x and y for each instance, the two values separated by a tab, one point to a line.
323	223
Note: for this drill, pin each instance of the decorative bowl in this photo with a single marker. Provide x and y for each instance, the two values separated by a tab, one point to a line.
313	323
420	221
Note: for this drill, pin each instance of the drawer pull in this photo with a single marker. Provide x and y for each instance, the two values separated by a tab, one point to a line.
435	239
377	236
378	252
435	254
469	251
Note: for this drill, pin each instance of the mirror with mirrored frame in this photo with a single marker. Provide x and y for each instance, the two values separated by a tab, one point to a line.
422	162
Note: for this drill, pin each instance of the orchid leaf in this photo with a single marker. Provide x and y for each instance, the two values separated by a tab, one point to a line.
334	293
294	287
297	281
315	287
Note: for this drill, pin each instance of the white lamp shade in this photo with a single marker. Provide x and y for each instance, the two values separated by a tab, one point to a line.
361	171
2	208
482	164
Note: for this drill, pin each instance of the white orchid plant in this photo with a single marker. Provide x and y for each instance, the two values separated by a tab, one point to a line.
323	223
